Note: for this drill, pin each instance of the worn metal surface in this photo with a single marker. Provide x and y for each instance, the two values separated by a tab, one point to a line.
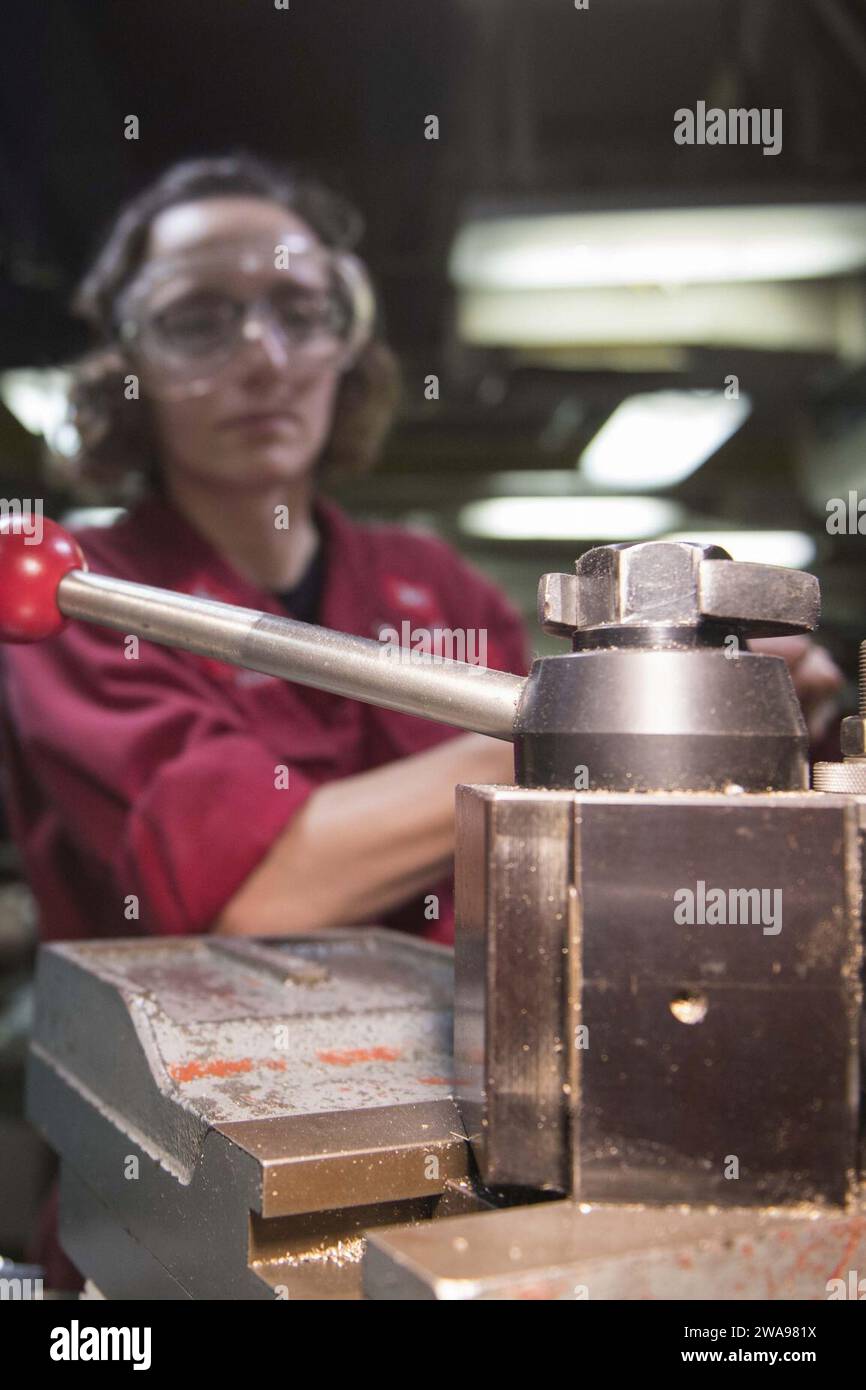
247	1082
673	1048
565	1251
362	1019
515	887
354	1157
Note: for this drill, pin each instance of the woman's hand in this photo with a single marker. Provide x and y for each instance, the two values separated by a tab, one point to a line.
817	679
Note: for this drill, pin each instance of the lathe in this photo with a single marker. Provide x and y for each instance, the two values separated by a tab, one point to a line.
617	1089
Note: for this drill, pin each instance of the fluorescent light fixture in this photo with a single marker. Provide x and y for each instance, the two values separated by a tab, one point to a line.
657	438
812	315
569	518
78	517
793	549
37	398
668	246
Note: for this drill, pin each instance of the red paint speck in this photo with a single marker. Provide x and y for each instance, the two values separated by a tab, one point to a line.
196	1071
350	1056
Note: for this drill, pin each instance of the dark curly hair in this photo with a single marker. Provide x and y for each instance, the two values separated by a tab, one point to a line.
117	457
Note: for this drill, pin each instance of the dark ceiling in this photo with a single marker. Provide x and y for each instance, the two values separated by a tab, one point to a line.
536	100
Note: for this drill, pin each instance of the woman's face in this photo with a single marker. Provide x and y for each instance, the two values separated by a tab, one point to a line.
267	413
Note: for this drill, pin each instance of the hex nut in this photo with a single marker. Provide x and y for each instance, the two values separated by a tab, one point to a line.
676	584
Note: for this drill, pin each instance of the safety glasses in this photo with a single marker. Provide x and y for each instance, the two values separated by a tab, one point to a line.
186	321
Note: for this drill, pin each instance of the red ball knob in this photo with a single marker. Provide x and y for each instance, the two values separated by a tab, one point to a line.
35	553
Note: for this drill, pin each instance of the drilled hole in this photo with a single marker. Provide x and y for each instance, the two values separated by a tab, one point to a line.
690	1008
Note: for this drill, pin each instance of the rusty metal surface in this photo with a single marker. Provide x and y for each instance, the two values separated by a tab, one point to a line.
572	1252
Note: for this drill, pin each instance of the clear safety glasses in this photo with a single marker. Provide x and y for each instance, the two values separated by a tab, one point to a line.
187	320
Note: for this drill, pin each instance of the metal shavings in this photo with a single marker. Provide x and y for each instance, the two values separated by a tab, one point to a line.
345	1252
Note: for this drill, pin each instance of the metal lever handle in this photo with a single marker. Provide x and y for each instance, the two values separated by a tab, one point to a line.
43	584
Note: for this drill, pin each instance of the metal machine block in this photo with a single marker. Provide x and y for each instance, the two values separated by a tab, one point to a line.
605	1049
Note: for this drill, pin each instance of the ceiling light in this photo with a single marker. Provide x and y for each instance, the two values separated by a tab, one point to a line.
36	397
792	549
670	246
658	438
569	518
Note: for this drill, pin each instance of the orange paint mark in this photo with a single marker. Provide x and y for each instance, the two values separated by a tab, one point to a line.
857	1228
196	1071
350	1056
434	1081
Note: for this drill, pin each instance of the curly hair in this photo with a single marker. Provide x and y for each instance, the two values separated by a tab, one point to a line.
117	457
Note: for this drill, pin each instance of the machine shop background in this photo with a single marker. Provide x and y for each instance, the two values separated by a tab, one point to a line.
739	355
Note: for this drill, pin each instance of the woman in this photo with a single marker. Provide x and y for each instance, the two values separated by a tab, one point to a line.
155	791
